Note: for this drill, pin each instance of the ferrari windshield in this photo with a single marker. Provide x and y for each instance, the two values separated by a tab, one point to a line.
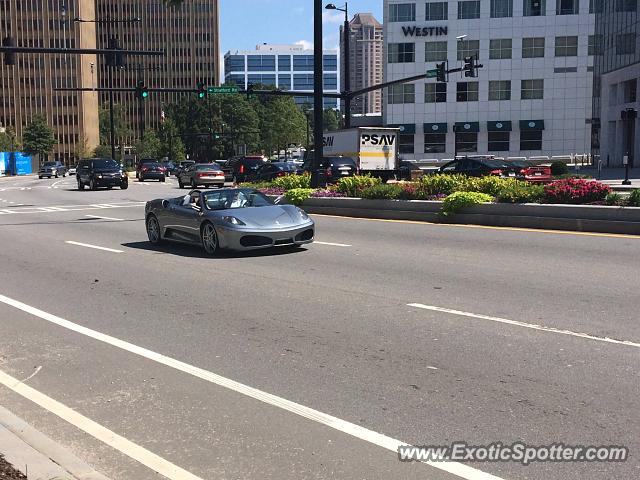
242	198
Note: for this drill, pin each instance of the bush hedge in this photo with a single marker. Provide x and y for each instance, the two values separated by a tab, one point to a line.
575	191
458	200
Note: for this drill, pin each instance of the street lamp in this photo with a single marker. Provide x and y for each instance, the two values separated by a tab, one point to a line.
346	71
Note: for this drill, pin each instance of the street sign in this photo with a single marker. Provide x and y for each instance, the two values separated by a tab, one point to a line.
432	73
215	90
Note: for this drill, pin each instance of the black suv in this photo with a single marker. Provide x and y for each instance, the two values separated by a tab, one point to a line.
52	169
101	172
334	167
242	169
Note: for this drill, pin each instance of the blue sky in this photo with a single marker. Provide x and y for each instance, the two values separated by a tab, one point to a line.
246	23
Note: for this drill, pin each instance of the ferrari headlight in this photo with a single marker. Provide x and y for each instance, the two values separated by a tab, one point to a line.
232	220
303	214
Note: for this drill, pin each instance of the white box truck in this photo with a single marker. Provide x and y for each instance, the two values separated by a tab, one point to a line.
374	149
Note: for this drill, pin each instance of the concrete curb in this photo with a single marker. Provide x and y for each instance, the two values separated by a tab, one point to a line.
45	459
581	218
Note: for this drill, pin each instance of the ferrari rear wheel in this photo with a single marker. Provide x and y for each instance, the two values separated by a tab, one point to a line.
153	230
209	239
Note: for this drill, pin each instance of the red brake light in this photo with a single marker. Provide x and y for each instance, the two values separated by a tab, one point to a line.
280	174
496	172
241	168
329	172
145	169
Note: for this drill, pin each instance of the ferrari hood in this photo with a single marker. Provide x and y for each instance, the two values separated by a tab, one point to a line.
275	216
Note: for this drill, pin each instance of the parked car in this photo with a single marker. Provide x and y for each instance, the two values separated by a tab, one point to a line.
152	170
531	172
52	169
241	169
182	166
142	163
230	218
207	174
72	170
478	167
334	167
405	169
101	172
272	170
169	167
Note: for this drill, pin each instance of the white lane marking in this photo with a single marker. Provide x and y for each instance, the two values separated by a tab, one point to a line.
112	439
458	469
333	244
532	326
74	208
96	247
105	218
32	375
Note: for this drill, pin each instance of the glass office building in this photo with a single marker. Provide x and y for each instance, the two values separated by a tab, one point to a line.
287	67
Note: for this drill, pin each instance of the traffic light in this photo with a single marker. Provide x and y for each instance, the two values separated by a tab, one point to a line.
9	57
142	92
470	67
249	90
202	91
442	72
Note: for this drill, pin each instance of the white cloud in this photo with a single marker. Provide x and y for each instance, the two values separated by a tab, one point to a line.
332	16
307	45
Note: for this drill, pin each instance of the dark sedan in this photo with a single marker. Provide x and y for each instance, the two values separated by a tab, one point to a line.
152	171
271	171
334	167
479	167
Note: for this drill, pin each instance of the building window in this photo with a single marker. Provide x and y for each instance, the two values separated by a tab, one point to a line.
532	89
595	6
435	93
330	63
626	5
402	52
534	8
234	63
435	142
626	44
501	8
303	81
330	81
303	63
500	90
284	82
402	93
284	63
595	45
467	142
567	46
467	92
567	7
468	9
406	143
533	47
261	63
531	140
402	12
437	11
435	51
468	48
500	49
499	141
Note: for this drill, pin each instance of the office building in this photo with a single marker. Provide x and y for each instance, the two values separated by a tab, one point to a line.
533	96
617	69
366	61
287	67
27	88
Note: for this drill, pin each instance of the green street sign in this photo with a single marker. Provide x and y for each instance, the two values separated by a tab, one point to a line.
215	90
432	73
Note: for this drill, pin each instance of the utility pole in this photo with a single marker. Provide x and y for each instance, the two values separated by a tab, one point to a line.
318	98
346	30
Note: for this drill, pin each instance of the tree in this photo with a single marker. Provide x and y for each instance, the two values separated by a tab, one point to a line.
281	123
171	145
82	149
102	151
149	145
9	141
38	138
121	128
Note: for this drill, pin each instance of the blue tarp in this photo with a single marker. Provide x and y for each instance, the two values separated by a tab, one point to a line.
15	163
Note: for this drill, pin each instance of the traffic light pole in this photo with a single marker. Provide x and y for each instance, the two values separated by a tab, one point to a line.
318	99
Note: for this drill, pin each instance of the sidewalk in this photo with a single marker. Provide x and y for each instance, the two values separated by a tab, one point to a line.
36	455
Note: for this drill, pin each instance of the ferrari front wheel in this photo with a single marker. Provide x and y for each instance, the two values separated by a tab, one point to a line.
209	239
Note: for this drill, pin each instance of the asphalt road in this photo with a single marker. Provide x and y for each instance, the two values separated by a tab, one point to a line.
427	334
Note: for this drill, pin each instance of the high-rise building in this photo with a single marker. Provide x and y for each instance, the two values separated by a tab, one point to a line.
366	61
616	126
532	98
27	88
189	35
287	67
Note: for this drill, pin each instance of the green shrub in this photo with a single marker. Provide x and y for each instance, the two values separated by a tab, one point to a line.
352	186
615	199
289	182
559	168
383	192
441	184
634	198
491	185
514	191
458	200
296	196
257	185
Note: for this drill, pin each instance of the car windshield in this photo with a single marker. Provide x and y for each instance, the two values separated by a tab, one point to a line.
252	162
338	161
494	163
288	167
226	199
105	163
50	164
208	166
